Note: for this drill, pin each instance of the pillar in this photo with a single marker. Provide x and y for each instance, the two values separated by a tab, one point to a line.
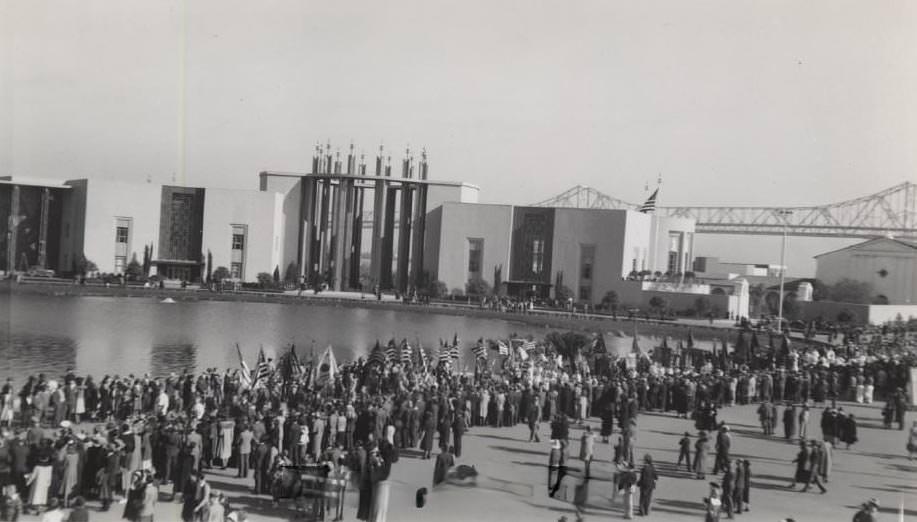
380	199
43	228
405	221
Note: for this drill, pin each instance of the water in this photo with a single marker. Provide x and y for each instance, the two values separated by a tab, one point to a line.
108	335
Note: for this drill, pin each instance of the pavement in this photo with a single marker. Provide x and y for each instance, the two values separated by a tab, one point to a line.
512	480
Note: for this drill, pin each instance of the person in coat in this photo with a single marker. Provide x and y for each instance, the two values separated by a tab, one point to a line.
789	421
723	445
746	485
458	430
429	428
587	449
849	431
738	490
647	484
727	486
685	451
444	462
802	462
701	448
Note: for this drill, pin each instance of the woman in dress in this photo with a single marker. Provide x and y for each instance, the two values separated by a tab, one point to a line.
39	480
701	448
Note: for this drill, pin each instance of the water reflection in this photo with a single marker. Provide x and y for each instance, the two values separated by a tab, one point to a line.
172	358
101	335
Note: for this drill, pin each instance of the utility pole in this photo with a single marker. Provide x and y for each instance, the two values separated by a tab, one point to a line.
783	213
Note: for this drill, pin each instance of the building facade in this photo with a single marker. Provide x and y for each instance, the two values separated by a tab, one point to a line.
55	224
889	266
530	251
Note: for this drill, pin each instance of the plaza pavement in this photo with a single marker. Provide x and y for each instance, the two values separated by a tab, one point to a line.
512	477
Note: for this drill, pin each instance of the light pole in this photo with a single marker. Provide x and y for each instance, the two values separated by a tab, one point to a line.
783	213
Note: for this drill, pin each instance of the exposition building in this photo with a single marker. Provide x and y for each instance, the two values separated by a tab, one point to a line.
346	227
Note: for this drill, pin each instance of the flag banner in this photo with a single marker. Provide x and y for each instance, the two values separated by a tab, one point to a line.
391	351
406	352
246	372
480	351
650	204
326	369
262	369
503	349
377	356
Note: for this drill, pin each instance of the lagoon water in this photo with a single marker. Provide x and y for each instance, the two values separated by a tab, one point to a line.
111	335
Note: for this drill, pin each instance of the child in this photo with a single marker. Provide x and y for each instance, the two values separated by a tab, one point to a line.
685	452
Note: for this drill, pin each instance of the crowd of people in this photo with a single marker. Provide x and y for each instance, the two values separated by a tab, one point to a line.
294	432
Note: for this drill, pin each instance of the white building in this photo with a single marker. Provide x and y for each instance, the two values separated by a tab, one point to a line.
888	265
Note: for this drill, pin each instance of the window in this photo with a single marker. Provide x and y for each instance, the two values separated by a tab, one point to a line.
238	241
585	293
587	260
673	263
235	270
122	243
537	256
475	257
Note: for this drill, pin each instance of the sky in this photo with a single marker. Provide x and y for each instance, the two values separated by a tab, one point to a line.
731	102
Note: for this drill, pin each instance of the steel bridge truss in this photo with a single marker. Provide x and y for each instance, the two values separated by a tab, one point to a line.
891	212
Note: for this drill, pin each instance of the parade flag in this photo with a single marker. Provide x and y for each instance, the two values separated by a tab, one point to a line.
529	346
503	349
246	372
454	349
480	351
327	368
650	204
406	352
293	368
391	351
262	369
377	356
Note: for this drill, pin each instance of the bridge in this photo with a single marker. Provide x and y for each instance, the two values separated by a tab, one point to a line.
891	212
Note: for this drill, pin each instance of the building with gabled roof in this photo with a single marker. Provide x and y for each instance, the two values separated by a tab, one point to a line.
888	265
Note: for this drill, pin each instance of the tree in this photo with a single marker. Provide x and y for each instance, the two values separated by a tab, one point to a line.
659	304
292	273
265	279
611	300
83	266
146	260
568	344
850	291
437	289
133	271
277	275
701	306
791	308
819	290
220	274
563	292
845	316
477	287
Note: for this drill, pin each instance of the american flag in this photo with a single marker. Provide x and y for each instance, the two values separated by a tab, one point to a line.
454	349
297	370
406	352
503	349
650	204
391	351
377	356
262	368
480	351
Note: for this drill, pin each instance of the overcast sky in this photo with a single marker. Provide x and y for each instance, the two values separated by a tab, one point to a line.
732	102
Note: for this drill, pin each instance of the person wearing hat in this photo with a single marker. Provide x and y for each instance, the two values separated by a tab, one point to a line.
701	449
713	503
647	484
868	512
685	451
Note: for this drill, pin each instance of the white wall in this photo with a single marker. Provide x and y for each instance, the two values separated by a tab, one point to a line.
637	242
460	221
261	212
605	229
865	263
96	214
